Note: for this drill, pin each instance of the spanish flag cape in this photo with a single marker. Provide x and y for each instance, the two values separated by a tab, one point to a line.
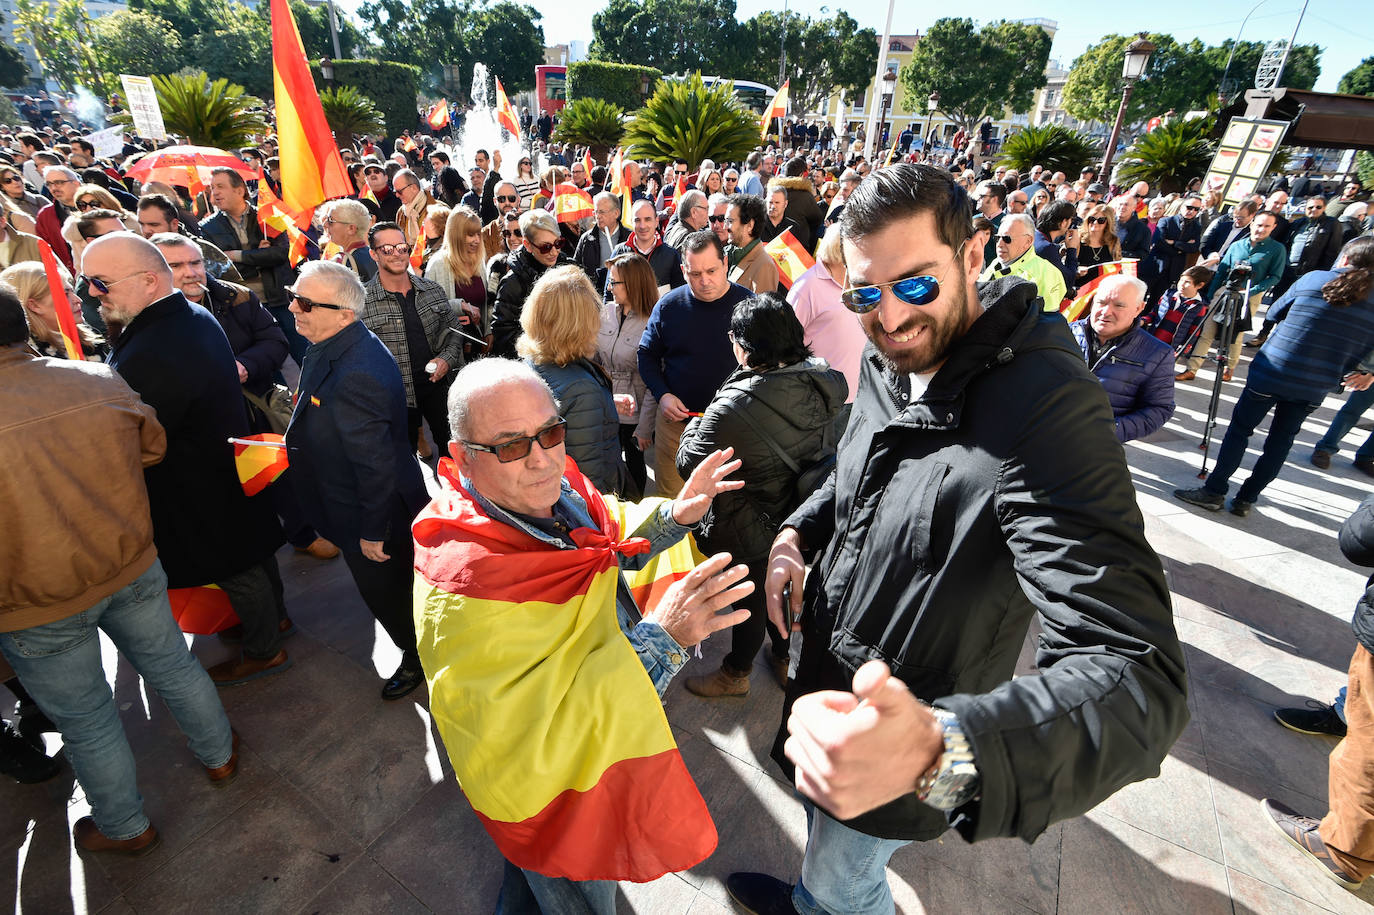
556	733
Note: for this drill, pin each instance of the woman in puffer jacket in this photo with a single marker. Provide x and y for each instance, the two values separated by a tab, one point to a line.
561	321
781	398
1135	368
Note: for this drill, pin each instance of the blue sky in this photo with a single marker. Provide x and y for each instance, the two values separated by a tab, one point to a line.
1324	24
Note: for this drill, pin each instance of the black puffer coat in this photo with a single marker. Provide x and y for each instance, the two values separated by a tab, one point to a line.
952	518
1357	543
522	272
796	405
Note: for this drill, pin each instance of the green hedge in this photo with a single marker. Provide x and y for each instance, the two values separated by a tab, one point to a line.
392	87
619	84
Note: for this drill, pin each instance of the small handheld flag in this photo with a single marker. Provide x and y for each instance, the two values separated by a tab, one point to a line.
587	163
1074	310
792	259
259	460
505	114
438	116
571	203
61	306
417	253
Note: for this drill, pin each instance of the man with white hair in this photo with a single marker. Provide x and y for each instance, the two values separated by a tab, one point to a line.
354	470
596	245
1135	368
1014	241
718	204
690	216
62	183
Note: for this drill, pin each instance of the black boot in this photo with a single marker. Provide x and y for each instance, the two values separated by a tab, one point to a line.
20	761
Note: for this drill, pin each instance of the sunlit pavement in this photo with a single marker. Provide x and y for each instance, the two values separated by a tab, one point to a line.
346	804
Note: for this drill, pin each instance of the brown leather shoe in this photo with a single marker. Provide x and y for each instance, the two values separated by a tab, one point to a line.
779	666
1185	376
719	684
1226	375
243	669
223	775
92	839
319	549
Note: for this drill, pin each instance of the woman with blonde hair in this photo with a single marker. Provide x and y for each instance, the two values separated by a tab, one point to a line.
30	281
1099	244
709	181
635	292
561	321
458	267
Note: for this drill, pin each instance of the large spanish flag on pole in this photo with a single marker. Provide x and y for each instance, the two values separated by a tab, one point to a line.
776	110
505	113
312	171
61	305
554	728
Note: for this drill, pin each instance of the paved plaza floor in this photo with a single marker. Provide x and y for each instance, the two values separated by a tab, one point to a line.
346	804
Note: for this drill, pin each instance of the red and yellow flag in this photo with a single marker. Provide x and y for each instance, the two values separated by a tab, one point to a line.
259	460
438	115
505	114
312	171
196	186
556	733
571	203
1074	310
275	218
417	253
587	163
409	144
792	259
202	611
776	110
61	305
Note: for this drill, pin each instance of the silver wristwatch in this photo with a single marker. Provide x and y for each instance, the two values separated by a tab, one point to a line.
955	780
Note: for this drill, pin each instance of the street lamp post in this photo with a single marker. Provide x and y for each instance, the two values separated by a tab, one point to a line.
889	86
327	71
1137	56
932	103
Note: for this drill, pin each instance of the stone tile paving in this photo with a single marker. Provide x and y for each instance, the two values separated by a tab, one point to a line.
346	804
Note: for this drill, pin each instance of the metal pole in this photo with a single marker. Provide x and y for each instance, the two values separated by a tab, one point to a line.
782	50
334	30
1283	62
1116	132
1221	86
878	83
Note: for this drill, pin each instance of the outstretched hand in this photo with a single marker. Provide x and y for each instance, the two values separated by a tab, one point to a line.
690	610
705	483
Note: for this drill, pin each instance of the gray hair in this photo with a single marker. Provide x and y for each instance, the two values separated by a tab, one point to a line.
482	375
1020	219
1115	281
690	199
606	195
344	287
166	239
352	212
537	220
61	170
717	200
849	176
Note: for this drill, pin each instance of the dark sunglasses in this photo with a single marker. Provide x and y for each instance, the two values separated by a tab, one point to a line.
511	233
502	198
682	171
13	179
1094	220
84	205
1004	239
546	247
392	250
519	448
102	287
307	304
716	219
1191	209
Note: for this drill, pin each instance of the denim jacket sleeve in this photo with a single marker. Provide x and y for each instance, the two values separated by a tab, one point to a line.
661	531
658	651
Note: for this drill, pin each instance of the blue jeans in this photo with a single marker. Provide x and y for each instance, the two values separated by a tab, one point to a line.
59	664
528	893
1249	412
844	871
1355	405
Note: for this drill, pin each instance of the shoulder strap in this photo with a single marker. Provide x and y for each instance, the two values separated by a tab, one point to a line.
769	440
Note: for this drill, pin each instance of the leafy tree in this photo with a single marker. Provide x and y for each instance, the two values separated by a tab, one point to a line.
1169	156
132	41
1359	81
61	37
14	69
238	50
206	113
823	55
591	122
676	36
685	118
505	36
1300	72
1054	146
979	73
350	112
313	23
1364	167
1175	76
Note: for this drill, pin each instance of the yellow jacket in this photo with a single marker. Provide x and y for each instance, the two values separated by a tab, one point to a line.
1030	266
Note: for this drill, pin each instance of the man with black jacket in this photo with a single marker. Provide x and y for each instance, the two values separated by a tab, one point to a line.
951	519
595	245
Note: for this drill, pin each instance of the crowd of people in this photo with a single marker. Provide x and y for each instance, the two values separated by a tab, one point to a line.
895	418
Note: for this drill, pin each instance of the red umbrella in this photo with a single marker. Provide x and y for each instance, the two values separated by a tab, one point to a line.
177	164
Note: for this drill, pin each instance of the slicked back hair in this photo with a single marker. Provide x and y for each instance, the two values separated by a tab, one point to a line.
904	190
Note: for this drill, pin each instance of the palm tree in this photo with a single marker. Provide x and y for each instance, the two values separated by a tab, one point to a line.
1169	156
594	123
219	114
684	118
348	111
1055	147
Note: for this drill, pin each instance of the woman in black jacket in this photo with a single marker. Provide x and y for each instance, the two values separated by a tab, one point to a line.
780	399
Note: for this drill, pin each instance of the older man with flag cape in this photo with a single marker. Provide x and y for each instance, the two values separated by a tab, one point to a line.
549	620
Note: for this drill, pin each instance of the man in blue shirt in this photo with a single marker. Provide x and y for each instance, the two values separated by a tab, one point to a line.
1267	258
685	353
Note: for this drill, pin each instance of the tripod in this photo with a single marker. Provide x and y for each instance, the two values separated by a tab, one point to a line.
1229	302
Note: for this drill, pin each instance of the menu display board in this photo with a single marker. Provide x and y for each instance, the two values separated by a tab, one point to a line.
1247	148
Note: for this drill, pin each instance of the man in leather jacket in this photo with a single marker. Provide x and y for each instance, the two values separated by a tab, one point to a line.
952	518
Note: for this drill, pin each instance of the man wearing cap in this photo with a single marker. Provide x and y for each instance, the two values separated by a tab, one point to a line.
385	204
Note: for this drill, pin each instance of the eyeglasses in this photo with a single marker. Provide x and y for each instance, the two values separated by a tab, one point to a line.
391	250
58	182
502	198
102	287
1004	239
84	205
1191	209
511	233
12	179
679	171
731	180
1094	220
546	247
307	304
615	283
716	219
913	290
518	449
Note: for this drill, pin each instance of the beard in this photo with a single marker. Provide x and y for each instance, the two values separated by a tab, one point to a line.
942	328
